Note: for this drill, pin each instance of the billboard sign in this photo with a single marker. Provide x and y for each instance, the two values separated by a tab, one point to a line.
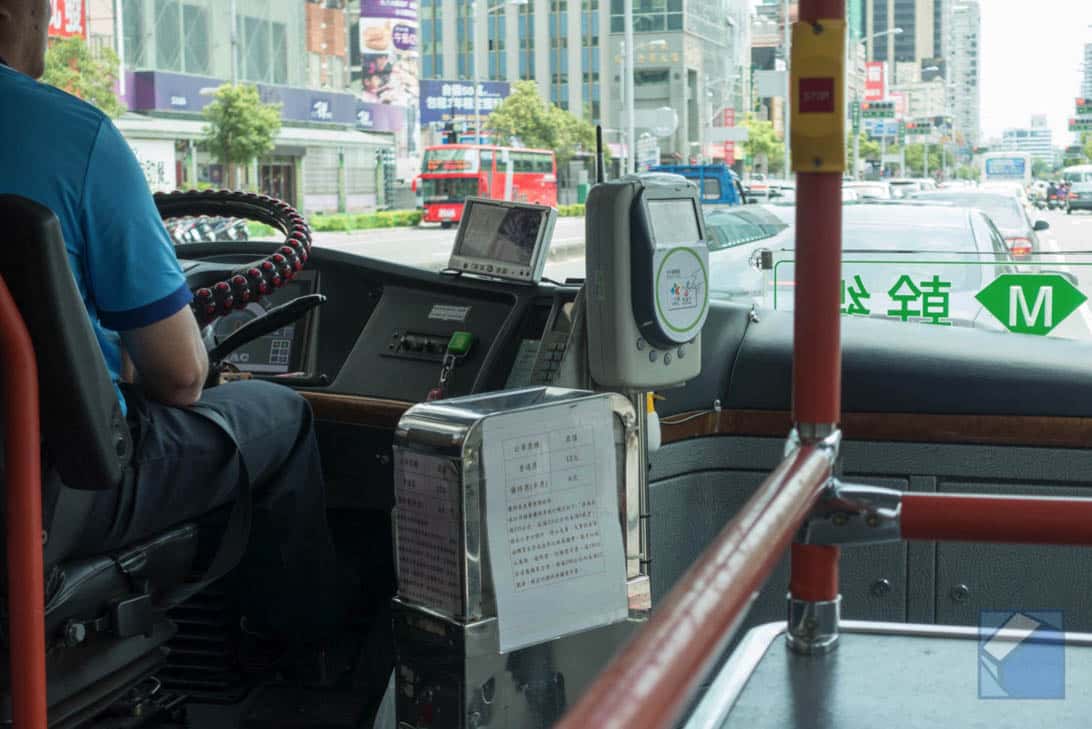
69	18
875	87
389	51
444	101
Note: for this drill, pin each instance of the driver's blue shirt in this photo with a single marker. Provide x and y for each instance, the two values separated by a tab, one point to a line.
67	155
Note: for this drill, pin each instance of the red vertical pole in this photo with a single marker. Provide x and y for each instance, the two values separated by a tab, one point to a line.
817	346
23	467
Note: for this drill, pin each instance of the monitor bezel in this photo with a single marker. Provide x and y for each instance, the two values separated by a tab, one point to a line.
530	273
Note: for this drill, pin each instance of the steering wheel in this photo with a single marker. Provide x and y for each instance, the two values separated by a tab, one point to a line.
218	289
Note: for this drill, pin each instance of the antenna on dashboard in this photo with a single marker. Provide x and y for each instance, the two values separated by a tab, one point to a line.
600	166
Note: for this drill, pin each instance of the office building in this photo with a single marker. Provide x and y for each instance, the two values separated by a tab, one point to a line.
921	39
1086	87
923	96
1037	139
689	55
964	88
561	44
331	152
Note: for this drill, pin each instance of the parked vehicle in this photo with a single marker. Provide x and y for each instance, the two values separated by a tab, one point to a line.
718	183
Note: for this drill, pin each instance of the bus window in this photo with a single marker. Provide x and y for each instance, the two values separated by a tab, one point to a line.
487	160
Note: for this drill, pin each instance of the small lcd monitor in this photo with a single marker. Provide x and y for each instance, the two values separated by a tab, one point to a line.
503	239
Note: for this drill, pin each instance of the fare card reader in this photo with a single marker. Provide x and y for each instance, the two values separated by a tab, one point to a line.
648	281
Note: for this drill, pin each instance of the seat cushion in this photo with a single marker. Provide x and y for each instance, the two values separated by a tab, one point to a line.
83	590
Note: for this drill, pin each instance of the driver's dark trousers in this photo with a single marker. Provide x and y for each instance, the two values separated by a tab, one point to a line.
186	469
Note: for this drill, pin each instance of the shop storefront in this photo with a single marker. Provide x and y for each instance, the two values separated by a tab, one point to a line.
326	156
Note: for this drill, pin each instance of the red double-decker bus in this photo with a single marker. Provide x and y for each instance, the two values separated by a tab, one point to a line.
453	172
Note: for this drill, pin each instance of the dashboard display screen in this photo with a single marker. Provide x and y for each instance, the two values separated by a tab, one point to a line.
674	221
500	233
279	352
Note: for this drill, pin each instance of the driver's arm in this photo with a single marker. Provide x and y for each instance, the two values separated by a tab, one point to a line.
169	358
134	277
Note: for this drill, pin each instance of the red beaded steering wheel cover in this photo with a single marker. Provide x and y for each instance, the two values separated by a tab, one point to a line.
255	280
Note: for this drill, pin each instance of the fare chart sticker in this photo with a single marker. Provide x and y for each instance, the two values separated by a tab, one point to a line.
554	538
682	289
427	519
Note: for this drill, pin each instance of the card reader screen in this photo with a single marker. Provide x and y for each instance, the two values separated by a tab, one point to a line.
674	221
500	233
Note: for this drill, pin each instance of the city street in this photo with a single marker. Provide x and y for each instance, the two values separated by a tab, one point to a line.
1067	247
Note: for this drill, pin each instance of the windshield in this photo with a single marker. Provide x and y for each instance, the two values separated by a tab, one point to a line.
382	133
1006	212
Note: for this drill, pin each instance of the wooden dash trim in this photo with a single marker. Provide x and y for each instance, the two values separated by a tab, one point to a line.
1014	430
356	410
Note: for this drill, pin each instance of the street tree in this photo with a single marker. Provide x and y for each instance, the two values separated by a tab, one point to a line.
1041	169
763	145
1086	141
915	159
529	120
72	66
241	127
968	172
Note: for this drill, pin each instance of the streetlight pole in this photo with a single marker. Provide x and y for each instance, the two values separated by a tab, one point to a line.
627	81
479	26
477	80
234	45
788	40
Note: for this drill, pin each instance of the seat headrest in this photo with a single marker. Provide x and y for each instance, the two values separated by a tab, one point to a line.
86	437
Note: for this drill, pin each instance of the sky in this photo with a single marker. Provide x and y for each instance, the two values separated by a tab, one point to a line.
1030	54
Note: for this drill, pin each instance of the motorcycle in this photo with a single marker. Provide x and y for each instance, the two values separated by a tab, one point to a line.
207	230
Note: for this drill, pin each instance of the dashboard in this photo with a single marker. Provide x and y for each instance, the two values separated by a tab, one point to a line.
384	329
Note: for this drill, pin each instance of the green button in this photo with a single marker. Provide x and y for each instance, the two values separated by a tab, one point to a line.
460	342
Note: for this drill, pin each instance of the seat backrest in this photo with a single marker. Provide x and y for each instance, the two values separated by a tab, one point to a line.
86	436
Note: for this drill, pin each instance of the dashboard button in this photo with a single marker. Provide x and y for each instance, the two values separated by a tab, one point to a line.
652	355
682	352
667	358
640	345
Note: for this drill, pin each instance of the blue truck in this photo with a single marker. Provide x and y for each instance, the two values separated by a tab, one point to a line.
718	184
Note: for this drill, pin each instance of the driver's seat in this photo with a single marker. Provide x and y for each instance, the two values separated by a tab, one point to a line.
105	621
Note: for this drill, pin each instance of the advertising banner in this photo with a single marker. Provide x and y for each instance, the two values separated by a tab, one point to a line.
389	51
443	101
69	18
875	87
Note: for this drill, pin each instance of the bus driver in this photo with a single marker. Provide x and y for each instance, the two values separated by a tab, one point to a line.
66	155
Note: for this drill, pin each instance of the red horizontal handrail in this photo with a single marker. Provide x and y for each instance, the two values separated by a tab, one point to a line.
998	519
649	683
23	483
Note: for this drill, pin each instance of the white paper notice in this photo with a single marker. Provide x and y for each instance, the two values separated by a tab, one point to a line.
554	539
427	519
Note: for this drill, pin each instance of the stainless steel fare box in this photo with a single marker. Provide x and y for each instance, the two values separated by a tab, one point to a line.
500	501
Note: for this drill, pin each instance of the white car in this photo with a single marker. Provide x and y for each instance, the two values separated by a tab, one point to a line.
870	190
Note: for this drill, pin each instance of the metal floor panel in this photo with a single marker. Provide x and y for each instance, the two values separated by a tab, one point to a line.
882	676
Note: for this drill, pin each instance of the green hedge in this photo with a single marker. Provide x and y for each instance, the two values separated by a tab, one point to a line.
571	211
345	222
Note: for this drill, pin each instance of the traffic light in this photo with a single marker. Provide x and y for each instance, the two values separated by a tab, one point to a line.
1081	124
1084	107
878	110
450	135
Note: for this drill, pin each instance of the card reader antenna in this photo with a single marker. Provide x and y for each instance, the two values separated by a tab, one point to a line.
600	171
